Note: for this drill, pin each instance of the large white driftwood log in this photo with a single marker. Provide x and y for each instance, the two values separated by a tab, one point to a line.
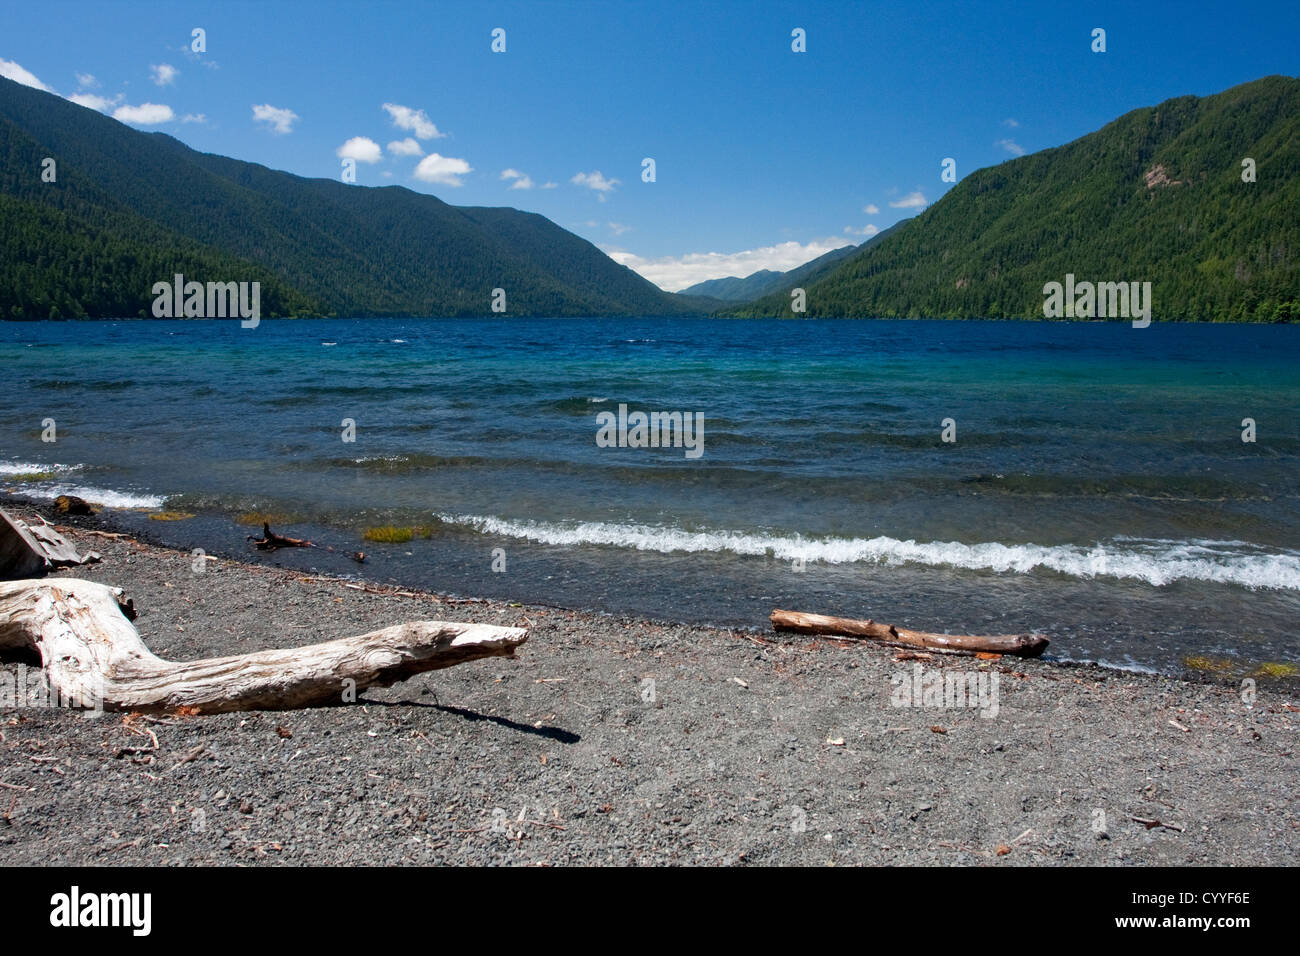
91	653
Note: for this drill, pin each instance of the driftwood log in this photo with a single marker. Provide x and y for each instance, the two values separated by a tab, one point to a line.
28	549
270	541
1020	645
92	654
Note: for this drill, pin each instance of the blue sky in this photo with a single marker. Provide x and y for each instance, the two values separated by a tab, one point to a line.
764	157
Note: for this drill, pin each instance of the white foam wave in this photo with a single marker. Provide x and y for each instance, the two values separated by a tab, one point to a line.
1128	665
29	468
53	487
103	496
1157	562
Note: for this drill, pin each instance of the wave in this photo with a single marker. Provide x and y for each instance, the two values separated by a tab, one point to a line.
110	385
52	487
107	497
28	468
575	404
1156	562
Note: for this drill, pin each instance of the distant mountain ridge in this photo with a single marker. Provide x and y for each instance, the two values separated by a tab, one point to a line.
764	281
737	288
128	209
1156	195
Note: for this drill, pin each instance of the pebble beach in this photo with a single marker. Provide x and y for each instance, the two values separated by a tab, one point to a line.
613	740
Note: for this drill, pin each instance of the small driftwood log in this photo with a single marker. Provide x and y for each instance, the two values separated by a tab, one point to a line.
1020	645
270	541
92	654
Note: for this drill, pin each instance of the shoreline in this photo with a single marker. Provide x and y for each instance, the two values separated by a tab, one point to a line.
333	562
497	317
224	536
624	740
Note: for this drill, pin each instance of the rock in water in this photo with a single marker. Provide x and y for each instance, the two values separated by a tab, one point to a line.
72	505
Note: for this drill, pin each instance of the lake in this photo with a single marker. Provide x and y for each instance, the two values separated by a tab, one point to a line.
1095	485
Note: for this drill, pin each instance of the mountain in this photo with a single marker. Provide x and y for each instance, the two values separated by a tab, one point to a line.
128	209
756	284
1157	195
736	289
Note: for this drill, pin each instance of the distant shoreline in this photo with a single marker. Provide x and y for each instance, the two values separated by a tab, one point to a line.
702	315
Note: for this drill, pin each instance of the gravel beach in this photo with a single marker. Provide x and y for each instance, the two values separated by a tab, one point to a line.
619	741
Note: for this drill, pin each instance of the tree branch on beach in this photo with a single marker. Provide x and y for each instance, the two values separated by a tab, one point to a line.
1020	645
93	656
270	541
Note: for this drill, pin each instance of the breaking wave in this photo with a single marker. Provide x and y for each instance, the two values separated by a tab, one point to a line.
1156	562
56	484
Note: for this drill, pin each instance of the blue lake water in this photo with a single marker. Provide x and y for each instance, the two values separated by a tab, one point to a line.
1098	489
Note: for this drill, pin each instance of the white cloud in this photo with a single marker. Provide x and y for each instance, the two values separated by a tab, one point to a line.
674	273
278	120
913	200
92	100
194	118
1012	147
414	120
549	185
362	149
12	71
1011	123
146	114
163	74
871	209
387	174
595	181
95	102
868	230
521	180
618	228
442	169
405	147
